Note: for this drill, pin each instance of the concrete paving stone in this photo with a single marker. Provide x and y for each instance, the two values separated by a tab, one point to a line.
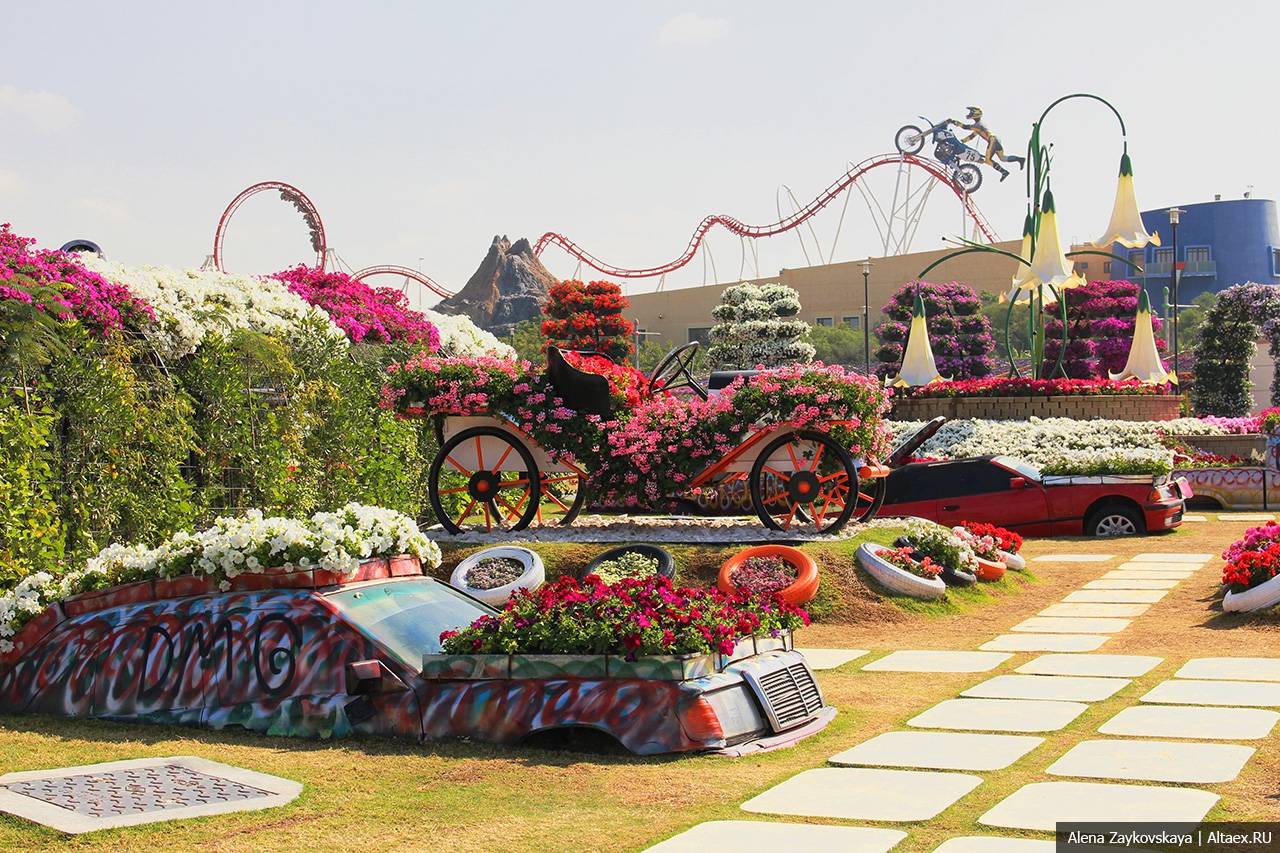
1069	625
1231	669
1244	516
1073	558
1042	805
830	658
1115	596
1245	693
1110	666
1132	583
934	661
999	715
994	844
1044	643
1131	575
1195	518
1153	761
864	794
939	750
757	836
1067	688
1158	567
1192	723
1108	611
1171	557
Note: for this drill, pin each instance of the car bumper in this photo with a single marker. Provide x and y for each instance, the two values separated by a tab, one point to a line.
1163	515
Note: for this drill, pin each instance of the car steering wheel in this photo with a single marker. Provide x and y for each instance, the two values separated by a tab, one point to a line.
674	371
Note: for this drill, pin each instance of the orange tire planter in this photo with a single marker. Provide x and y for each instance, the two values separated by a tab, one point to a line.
800	592
988	570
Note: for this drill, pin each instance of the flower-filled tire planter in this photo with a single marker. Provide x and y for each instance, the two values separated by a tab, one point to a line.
1260	597
531	578
895	579
800	592
988	570
666	562
1017	562
957	577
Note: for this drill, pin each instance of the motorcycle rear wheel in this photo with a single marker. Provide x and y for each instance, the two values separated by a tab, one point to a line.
909	139
968	177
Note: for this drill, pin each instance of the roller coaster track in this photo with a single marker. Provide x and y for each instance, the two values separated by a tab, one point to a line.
407	272
735	226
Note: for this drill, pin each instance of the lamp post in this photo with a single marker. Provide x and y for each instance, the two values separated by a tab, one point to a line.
866	310
1174	213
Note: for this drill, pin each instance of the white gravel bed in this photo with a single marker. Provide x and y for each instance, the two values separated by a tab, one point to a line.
656	529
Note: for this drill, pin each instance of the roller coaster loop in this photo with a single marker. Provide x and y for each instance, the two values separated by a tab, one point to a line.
288	193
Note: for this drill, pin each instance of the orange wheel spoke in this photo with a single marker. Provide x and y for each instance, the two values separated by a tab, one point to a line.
452	491
479	454
816	456
454	463
786	524
498	464
465	513
795	463
488	519
781	476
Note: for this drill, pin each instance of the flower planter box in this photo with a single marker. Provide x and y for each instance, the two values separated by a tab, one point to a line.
1120	407
1100	479
1242	445
138	592
1234	488
32	633
653	667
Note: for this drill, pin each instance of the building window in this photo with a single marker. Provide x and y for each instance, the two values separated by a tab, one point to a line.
1275	261
854	323
1162	256
1197	253
826	322
1106	267
1137	259
701	334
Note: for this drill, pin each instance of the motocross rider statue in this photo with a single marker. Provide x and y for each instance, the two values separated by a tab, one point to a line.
995	150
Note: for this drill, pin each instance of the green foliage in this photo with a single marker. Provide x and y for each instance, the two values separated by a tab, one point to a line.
1190	320
839	345
1227	343
997	313
30	531
526	337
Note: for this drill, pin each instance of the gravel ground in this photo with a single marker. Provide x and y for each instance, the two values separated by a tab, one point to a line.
664	529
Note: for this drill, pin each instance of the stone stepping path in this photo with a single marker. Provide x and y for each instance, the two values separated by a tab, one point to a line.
1244	516
1231	669
1109	611
1215	693
1115	596
1042	805
994	844
933	661
1044	643
1153	761
1172	558
999	715
757	836
1071	625
1147	575
939	750
1111	666
1195	518
831	658
1065	688
1191	722
1158	567
864	794
1131	583
1073	558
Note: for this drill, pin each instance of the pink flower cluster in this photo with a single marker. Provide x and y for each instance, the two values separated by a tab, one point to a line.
1255	539
460	385
374	314
100	306
1021	387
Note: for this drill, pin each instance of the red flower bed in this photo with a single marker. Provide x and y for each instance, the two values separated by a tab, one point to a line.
1028	388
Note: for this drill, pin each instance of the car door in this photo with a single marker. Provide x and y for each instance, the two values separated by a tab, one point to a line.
981	490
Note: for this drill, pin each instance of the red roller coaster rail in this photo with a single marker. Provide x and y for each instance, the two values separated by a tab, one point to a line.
407	272
741	229
288	193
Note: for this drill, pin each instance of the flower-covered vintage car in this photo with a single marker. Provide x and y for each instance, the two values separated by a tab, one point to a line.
321	654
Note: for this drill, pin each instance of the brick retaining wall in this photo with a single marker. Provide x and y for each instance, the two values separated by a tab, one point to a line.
1120	407
1228	445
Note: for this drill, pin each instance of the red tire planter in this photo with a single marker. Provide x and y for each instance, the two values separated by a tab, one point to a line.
988	570
800	592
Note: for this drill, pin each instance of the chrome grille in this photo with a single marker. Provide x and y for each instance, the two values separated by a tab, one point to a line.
789	693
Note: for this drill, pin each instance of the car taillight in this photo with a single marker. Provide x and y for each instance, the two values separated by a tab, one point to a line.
1155	495
699	721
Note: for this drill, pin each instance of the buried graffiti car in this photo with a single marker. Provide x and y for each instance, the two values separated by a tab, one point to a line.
314	654
1013	494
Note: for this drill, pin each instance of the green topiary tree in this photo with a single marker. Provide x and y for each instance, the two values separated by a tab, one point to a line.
753	328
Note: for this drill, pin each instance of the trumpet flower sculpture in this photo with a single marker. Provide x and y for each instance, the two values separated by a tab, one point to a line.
1144	360
918	366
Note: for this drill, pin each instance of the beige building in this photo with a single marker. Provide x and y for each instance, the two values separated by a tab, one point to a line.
829	294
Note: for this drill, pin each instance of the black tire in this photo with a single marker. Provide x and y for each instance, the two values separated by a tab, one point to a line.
1115	520
968	178
958	577
666	562
825	481
871	493
502	496
909	139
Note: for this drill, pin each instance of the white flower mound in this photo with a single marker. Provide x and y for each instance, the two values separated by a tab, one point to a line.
460	337
191	304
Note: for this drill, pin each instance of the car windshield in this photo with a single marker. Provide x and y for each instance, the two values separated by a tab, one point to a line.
1026	469
407	616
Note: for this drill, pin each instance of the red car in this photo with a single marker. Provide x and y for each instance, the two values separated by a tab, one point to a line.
1013	494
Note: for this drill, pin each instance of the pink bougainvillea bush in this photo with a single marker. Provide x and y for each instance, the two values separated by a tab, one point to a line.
99	305
1100	319
959	334
378	315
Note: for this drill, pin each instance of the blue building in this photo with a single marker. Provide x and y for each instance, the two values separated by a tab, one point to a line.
1223	243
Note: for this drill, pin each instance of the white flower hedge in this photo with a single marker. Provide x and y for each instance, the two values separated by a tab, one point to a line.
460	337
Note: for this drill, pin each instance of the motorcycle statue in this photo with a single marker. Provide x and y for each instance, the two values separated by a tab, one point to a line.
961	160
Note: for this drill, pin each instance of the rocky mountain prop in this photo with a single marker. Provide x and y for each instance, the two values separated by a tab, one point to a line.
510	285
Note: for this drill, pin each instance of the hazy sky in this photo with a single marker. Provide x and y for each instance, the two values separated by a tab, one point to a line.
420	129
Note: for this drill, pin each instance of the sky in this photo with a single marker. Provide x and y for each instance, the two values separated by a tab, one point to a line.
420	130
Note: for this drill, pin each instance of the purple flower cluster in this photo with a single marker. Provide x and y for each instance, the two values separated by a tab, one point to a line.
959	335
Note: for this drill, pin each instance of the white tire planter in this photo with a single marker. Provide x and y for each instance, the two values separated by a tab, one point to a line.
894	578
533	576
1017	562
1260	597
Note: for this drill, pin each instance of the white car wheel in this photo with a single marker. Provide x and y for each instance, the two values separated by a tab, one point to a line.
533	576
1260	597
894	578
